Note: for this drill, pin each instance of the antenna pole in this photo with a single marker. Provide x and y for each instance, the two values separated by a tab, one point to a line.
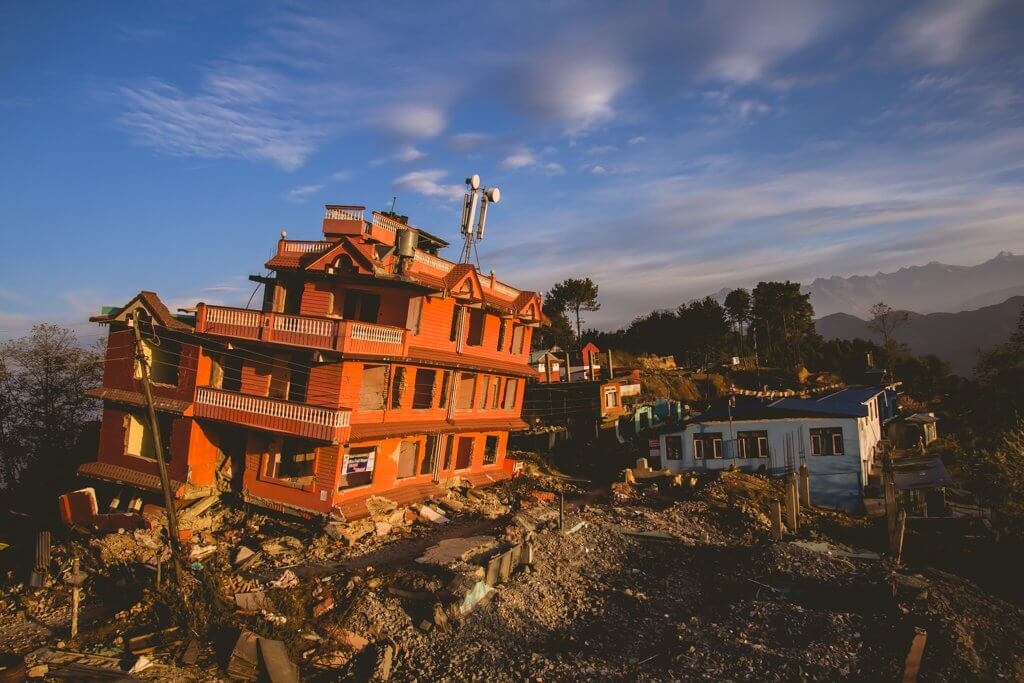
394	200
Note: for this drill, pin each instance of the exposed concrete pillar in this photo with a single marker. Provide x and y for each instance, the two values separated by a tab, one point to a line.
776	520
805	486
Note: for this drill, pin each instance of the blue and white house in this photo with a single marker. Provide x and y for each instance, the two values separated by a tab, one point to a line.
835	435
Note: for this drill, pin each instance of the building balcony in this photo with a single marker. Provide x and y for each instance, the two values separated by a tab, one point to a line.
330	334
287	417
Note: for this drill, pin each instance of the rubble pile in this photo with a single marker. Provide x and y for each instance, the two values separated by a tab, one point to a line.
658	581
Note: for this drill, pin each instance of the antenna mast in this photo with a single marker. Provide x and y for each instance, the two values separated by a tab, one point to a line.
476	198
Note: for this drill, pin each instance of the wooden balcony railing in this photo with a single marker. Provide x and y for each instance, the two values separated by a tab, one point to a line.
258	412
332	334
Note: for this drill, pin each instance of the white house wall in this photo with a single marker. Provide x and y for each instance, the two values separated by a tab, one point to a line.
837	481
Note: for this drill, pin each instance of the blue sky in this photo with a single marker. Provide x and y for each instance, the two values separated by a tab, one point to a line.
664	149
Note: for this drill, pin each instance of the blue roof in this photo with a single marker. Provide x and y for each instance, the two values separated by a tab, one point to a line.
847	402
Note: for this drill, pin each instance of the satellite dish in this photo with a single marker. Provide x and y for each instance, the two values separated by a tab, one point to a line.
493	195
473	181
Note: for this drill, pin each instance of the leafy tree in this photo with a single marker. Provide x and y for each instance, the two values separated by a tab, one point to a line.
43	378
996	476
737	305
658	332
704	329
572	296
783	323
559	333
885	321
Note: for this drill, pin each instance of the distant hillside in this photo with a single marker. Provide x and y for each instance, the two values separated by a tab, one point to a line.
926	289
953	337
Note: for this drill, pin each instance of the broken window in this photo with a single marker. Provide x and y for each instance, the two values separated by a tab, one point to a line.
827	441
296	460
490	450
423	392
361	306
501	334
464	453
138	437
511	387
752	444
408	452
357	467
465	391
483	393
673	448
453	334
610	399
446	380
162	359
708	445
415	314
429	455
496	394
518	332
475	334
449	445
398	387
372	388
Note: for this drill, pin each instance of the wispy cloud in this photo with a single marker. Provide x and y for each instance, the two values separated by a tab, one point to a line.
301	194
519	159
428	183
415	121
941	31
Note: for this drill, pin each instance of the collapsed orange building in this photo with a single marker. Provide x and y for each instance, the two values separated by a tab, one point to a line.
373	367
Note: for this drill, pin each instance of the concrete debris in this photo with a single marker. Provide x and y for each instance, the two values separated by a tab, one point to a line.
457	549
431	515
140	665
277	666
288	579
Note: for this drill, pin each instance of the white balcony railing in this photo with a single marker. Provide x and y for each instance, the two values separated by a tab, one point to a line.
432	261
304	246
237	317
344	213
272	408
386	222
299	324
377	333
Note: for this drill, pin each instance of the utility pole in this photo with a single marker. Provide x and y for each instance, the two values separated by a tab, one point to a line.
154	425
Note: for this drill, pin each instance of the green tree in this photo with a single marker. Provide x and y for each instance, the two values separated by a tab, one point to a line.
783	323
43	379
572	296
737	305
704	329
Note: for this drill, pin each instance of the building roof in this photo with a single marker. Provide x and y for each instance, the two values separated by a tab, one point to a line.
152	304
846	403
921	418
920	473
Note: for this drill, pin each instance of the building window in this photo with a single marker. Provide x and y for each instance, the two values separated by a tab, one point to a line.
373	388
708	445
464	453
298	385
490	450
297	460
429	455
827	441
752	444
232	365
518	332
465	391
138	439
398	387
475	333
280	378
361	306
501	334
357	467
446	381
610	400
496	394
673	448
449	445
415	314
453	334
511	388
423	393
162	359
408	452
483	393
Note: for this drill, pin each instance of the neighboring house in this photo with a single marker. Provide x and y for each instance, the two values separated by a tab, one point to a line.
580	407
913	431
548	365
836	436
373	367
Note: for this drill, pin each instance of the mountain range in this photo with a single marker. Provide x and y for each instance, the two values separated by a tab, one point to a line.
953	337
932	288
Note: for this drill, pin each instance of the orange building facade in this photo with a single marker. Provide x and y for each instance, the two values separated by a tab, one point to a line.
373	367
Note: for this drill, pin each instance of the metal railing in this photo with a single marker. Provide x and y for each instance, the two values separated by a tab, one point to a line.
273	408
